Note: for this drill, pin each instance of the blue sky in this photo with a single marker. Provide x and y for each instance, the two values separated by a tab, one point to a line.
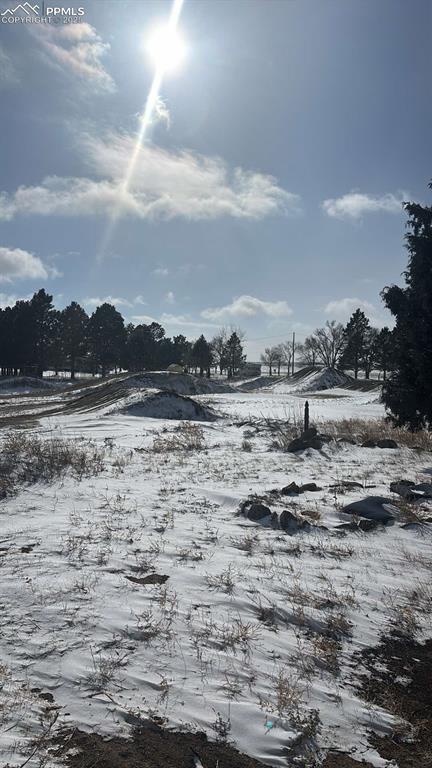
267	192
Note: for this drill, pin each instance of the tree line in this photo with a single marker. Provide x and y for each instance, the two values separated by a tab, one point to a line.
357	346
405	352
36	337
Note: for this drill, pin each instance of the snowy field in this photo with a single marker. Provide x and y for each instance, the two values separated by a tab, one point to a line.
138	589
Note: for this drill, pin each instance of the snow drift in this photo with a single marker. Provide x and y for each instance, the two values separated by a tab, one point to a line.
168	405
182	383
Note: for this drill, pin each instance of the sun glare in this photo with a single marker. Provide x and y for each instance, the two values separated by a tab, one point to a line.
166	49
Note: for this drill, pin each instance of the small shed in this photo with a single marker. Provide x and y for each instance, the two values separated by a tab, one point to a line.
175	368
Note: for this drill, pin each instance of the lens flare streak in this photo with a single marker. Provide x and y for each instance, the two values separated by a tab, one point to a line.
145	123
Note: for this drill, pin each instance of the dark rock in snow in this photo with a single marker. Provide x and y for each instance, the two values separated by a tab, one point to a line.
290	490
294	490
407	490
387	443
292	524
377	508
426	489
152	578
257	511
369	444
308	439
309	487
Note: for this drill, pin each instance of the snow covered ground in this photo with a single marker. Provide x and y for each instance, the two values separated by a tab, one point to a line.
143	591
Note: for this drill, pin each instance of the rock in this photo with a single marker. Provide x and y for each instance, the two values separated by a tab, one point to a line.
309	487
309	433
309	438
257	511
291	490
413	526
152	578
387	443
376	508
407	490
426	488
369	444
292	524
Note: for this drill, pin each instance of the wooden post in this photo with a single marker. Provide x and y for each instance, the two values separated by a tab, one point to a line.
293	352
306	416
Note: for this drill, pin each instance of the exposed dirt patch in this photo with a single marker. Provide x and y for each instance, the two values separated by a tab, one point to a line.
152	578
151	747
338	760
400	680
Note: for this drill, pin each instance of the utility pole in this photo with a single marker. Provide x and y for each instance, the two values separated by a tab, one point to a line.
293	352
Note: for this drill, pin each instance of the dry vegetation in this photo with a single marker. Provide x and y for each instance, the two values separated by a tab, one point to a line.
27	459
361	430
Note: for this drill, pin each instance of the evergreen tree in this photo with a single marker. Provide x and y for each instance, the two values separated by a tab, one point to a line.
74	334
234	354
408	393
107	337
356	333
40	329
385	351
181	350
202	355
369	352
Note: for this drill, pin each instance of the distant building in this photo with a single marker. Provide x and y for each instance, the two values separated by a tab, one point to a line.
249	370
175	368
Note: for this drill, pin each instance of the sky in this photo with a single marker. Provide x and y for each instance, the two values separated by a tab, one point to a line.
267	190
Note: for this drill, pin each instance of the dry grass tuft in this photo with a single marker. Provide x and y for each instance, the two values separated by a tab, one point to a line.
27	459
186	437
361	430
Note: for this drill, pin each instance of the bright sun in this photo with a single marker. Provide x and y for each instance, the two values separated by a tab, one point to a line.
166	49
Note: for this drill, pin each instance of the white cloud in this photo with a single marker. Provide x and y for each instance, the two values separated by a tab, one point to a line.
8	300
175	321
117	301
17	264
164	185
170	298
161	272
8	74
76	49
248	306
342	309
354	204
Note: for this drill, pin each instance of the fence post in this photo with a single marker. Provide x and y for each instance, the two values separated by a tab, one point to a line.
306	416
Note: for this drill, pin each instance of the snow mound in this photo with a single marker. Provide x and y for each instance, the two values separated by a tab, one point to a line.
181	383
259	382
19	383
167	405
314	381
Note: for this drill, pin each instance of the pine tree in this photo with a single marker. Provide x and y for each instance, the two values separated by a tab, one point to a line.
74	334
235	356
356	333
107	337
385	351
40	328
202	355
408	393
